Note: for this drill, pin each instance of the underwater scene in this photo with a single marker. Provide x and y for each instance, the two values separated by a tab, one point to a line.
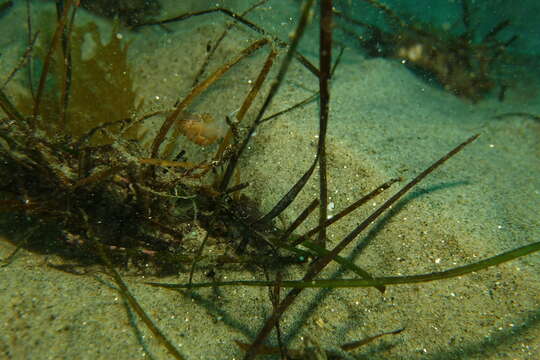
269	179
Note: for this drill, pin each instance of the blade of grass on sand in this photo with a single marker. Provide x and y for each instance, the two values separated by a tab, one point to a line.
378	281
319	264
126	294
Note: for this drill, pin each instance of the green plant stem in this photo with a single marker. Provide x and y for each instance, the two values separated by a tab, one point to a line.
380	281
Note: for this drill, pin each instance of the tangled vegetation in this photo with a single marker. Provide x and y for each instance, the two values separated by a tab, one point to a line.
460	62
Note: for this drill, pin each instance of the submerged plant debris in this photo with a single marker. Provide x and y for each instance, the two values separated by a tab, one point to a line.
85	177
95	174
460	62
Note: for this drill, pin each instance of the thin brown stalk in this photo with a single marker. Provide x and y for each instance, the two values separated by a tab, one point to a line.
294	107
325	58
387	10
397	196
214	47
97	177
348	209
299	220
67	66
240	19
197	258
7	106
48	58
306	100
288	198
356	344
263	74
27	55
30	71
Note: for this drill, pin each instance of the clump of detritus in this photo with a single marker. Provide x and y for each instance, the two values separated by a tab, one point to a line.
81	166
459	62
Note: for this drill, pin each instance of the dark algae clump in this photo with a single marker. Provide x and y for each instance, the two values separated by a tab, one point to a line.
131	12
463	61
112	191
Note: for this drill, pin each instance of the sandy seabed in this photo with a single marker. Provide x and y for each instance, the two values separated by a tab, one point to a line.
385	122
